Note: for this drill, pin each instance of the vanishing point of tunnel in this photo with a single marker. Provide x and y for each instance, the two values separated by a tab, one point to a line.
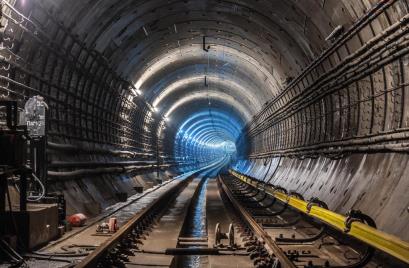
204	133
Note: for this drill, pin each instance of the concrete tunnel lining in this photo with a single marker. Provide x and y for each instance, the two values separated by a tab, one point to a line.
334	114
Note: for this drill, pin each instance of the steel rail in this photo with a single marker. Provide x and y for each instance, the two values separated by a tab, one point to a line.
93	259
380	240
257	229
162	201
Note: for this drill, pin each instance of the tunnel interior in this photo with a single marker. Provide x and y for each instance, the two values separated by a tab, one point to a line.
310	95
207	135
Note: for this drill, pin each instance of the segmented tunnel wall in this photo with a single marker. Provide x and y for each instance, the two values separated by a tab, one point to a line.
332	110
96	122
103	138
339	131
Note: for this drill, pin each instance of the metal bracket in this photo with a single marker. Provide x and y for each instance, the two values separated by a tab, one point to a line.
219	236
204	45
315	201
356	215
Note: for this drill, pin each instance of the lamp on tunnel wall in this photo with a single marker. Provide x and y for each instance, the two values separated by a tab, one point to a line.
35	116
34	113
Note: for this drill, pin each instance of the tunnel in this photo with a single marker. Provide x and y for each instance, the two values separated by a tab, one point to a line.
105	101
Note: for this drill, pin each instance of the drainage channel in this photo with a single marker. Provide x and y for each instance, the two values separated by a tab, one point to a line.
194	234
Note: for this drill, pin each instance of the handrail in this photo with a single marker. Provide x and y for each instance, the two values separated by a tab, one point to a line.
385	242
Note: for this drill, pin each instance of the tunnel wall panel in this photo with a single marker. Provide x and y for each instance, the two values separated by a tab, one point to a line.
376	184
355	103
94	116
342	136
91	197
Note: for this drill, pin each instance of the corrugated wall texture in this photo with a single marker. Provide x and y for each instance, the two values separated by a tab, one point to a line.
352	98
340	130
377	184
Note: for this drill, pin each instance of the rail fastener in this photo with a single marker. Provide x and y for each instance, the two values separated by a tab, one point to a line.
380	240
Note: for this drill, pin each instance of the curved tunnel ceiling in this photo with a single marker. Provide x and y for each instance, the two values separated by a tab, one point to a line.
180	82
186	56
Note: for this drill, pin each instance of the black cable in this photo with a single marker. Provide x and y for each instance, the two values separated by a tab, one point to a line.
49	258
60	254
14	226
12	258
13	219
17	259
10	249
11	211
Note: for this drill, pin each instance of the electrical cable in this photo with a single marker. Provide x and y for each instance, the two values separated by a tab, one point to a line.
34	198
12	254
11	250
11	211
4	250
82	251
48	258
60	254
14	224
38	197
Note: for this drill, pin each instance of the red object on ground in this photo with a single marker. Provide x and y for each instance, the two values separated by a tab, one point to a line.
77	220
112	225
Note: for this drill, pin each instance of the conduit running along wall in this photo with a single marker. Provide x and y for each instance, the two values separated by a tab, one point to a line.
123	76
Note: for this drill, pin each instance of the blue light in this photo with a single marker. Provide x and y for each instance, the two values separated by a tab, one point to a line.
207	135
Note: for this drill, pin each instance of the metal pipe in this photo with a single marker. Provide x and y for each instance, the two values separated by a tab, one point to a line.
95	150
68	175
68	164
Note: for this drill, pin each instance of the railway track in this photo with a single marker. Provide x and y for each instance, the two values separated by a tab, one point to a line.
173	232
203	221
289	238
78	244
168	209
307	234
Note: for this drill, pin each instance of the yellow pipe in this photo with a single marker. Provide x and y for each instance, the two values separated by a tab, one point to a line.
369	235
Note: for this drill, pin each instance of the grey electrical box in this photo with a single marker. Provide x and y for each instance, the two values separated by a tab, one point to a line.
35	116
